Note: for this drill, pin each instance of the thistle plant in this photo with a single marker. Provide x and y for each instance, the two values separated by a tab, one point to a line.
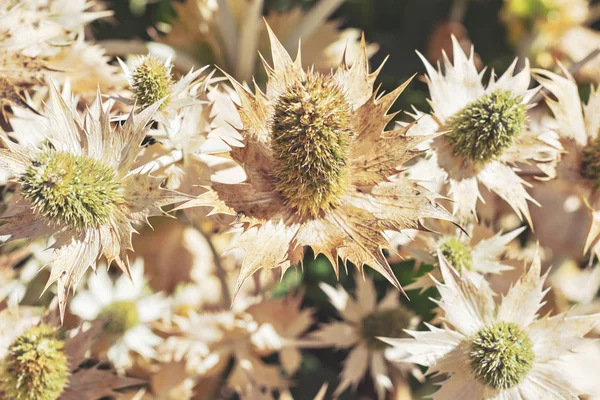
497	351
80	189
318	161
487	133
302	162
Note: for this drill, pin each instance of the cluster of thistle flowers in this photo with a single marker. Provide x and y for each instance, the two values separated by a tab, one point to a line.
308	163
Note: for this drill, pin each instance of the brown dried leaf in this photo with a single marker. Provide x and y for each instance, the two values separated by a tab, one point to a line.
95	383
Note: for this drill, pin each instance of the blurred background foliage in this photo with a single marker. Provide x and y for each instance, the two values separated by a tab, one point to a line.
399	27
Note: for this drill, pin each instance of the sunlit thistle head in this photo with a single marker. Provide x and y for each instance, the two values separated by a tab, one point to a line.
458	253
35	367
311	131
385	323
590	166
485	128
119	317
151	81
501	355
530	8
73	190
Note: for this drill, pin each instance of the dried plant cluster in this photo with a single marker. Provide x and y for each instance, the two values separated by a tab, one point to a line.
170	231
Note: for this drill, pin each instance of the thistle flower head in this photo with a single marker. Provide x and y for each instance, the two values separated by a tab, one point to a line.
384	323
119	317
73	190
311	130
484	128
35	367
501	355
151	81
458	253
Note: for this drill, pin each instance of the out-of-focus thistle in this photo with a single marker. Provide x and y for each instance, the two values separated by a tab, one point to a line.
318	161
578	125
229	33
42	39
363	321
551	30
474	255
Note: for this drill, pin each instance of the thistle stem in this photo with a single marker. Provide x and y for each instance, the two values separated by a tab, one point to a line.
219	269
161	162
248	41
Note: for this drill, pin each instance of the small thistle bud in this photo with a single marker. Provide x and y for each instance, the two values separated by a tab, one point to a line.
590	166
151	81
35	366
119	317
483	129
72	190
501	355
311	131
458	253
385	323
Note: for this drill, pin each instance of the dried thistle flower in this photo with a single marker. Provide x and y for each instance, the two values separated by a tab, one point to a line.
79	189
475	252
497	352
230	34
151	82
363	321
318	162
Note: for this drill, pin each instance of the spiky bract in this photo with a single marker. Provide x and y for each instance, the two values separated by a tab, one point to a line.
310	131
35	367
483	129
151	81
69	189
501	355
384	323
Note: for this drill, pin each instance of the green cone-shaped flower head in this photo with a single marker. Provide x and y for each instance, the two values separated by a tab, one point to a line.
311	133
35	367
485	128
501	355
